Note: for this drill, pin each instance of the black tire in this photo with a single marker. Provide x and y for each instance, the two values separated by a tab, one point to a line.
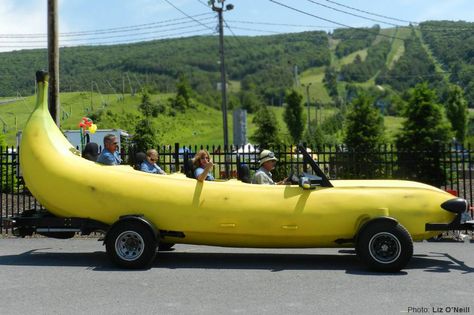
384	246
163	247
131	245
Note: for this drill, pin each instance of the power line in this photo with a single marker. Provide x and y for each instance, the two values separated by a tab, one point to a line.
134	41
370	13
334	22
279	24
103	37
353	14
171	4
256	30
203	3
109	30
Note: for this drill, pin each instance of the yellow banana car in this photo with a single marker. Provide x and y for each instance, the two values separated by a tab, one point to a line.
140	211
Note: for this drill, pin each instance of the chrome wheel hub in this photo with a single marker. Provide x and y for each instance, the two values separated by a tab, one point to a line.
384	247
129	245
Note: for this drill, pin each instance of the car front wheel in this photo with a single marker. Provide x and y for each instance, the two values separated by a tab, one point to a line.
385	246
131	245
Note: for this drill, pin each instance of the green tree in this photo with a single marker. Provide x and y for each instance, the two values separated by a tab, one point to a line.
364	125
293	115
330	81
145	135
267	133
363	136
249	101
146	107
425	130
145	132
183	90
456	111
314	137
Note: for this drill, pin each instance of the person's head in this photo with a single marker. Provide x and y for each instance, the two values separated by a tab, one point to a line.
152	156
267	160
110	142
201	158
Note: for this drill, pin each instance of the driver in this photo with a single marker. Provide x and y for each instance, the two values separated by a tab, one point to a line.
267	163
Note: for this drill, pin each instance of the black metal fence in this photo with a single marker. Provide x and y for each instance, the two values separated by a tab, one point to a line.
446	167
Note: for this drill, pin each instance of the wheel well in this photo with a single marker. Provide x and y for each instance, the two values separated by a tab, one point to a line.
366	224
134	218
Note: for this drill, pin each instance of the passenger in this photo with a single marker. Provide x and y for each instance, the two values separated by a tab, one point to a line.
149	164
109	155
203	164
267	164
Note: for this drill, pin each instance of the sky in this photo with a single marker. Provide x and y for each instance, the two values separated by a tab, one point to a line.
23	23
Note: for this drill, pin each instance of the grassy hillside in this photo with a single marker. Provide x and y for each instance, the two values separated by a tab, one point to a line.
200	125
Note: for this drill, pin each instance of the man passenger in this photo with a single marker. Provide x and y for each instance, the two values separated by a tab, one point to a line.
149	165
109	155
267	164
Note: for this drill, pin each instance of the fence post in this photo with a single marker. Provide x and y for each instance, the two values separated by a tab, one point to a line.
176	156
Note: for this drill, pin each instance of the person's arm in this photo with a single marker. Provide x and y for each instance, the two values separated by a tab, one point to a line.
160	171
202	177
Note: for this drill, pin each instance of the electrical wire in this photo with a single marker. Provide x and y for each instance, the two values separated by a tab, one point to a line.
134	41
256	30
171	4
334	22
279	24
110	30
203	3
353	14
370	13
102	37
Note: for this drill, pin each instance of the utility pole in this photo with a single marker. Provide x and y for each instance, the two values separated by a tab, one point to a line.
219	11
307	103
53	60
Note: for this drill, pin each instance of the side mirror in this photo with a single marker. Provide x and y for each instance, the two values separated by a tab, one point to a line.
308	181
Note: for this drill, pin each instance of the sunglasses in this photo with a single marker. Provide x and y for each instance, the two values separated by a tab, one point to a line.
269	155
205	158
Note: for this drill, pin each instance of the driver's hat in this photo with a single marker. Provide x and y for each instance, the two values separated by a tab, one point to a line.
267	155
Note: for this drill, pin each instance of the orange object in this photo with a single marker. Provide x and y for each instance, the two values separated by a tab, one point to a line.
452	192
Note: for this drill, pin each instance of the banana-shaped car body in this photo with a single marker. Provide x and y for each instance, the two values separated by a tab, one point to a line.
378	217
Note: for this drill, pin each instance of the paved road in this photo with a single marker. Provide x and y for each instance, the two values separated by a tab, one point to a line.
45	276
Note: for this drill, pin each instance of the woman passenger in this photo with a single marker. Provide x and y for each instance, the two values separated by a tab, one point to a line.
203	165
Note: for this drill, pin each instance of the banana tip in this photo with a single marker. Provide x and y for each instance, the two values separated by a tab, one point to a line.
42	76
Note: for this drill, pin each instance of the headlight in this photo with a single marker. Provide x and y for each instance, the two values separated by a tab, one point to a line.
456	205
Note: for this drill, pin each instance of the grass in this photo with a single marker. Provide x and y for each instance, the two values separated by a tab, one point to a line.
393	125
317	91
398	47
350	58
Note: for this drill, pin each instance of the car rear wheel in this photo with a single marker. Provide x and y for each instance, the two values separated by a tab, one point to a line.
385	246
131	245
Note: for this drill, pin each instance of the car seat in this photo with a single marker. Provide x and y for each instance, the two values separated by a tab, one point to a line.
91	151
243	173
188	166
140	157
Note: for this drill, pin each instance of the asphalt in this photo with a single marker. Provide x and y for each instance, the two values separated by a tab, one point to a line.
46	276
